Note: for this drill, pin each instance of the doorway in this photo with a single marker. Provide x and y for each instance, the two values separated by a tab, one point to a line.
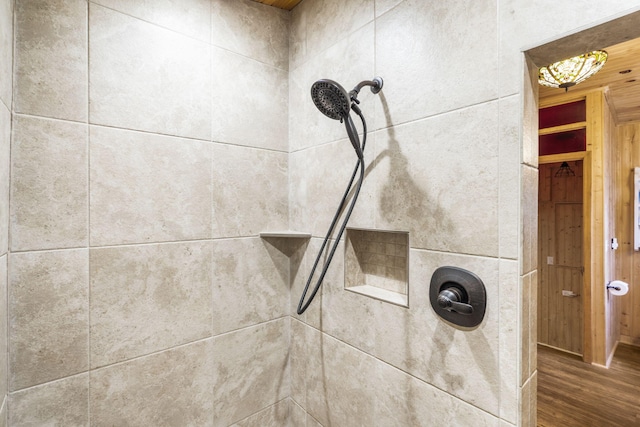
560	255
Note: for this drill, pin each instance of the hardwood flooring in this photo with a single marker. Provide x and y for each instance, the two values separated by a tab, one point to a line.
573	393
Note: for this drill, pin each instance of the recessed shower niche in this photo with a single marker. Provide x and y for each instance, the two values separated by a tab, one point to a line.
377	264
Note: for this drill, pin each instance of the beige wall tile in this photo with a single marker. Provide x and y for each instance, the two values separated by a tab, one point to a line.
162	76
402	400
148	188
249	107
345	314
402	334
48	184
48	316
525	328
297	415
340	382
6	52
383	6
51	59
508	344
276	415
530	113
5	163
509	175
249	191
148	298
529	219
299	362
59	403
251	29
3	412
171	388
250	370
426	63
3	328
319	179
189	17
250	283
312	422
424	186
331	21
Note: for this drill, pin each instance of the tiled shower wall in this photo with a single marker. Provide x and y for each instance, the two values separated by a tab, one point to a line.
6	61
149	148
452	159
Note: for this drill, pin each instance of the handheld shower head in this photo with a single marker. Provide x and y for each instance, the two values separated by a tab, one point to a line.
331	99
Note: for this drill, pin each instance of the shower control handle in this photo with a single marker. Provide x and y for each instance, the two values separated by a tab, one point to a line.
450	299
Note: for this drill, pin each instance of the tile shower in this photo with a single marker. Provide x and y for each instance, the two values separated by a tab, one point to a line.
145	145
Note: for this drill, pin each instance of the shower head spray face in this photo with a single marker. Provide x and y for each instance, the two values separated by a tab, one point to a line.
331	99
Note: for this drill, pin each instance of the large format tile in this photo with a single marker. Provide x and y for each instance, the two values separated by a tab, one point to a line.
509	335
189	17
6	52
60	403
148	298
48	316
148	188
249	102
331	21
461	362
251	29
423	50
319	179
162	76
274	416
48	184
403	400
3	327
340	382
5	163
438	178
51	58
509	176
249	191
250	370
528	219
172	388
250	283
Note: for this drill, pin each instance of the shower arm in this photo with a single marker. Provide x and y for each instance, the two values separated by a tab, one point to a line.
376	85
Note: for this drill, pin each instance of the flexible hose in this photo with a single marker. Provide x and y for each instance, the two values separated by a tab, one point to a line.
359	165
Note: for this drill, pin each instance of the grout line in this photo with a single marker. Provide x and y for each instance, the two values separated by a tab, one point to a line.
400	369
261	410
126	245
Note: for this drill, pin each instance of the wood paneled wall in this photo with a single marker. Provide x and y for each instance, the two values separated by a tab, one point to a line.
612	304
627	148
560	257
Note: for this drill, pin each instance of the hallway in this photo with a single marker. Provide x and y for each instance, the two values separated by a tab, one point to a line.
572	393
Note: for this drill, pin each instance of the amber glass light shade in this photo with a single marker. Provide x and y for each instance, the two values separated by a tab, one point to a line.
571	71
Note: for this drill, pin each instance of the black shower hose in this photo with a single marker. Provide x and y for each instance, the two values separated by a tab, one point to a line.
359	165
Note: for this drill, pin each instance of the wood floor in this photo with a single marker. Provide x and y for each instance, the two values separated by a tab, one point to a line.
573	393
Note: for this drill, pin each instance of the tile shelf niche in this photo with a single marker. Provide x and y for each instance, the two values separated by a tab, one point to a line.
377	264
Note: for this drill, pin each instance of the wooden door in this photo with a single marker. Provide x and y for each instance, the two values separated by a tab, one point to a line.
560	257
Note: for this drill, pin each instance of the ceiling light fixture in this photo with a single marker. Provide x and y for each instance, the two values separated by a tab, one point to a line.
571	71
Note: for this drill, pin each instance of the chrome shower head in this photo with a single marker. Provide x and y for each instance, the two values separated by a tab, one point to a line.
331	99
